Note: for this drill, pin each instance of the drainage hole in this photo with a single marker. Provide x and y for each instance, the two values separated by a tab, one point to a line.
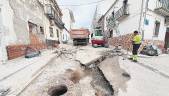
58	90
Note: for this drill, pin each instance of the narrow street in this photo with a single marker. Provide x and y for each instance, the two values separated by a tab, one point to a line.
84	47
96	75
146	80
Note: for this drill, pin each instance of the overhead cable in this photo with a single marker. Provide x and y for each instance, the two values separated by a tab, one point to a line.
91	3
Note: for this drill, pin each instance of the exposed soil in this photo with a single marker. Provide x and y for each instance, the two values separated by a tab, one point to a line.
70	78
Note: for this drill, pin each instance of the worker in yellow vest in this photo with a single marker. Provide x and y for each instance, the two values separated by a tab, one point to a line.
137	39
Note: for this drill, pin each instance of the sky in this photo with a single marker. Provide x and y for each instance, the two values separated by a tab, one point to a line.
84	14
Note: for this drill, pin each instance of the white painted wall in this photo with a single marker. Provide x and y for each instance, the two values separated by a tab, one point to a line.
7	35
47	31
131	23
55	27
152	17
3	56
14	17
67	20
7	22
149	29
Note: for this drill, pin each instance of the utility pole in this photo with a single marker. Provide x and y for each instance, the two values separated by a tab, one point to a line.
143	16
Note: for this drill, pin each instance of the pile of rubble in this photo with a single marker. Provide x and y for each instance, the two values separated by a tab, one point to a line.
4	91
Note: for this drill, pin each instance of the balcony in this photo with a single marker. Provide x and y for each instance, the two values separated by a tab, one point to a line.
59	22
122	12
49	11
162	7
119	15
110	22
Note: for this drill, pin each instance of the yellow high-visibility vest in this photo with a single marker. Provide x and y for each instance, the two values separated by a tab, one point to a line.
137	39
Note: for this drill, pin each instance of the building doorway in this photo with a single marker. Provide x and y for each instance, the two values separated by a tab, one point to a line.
32	28
33	34
111	34
167	39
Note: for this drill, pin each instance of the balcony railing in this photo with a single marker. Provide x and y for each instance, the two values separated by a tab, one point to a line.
122	12
110	22
59	22
49	11
119	15
162	7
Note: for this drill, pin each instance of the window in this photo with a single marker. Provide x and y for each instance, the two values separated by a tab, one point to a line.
63	36
41	30
167	30
51	32
98	33
32	28
157	28
111	33
57	31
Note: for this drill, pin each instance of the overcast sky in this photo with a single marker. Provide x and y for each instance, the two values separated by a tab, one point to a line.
84	14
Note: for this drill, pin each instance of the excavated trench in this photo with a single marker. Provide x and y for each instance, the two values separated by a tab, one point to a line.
84	80
99	82
104	68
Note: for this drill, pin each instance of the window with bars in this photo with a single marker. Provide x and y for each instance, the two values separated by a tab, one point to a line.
57	31
157	28
51	32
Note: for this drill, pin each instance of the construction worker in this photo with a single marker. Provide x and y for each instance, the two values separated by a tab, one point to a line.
136	45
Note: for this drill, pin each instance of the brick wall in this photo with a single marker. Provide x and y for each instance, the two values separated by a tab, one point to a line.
15	51
125	42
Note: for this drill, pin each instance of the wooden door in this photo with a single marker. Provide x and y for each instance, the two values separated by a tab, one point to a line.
166	40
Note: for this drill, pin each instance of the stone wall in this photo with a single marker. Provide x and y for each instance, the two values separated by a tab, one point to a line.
125	42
